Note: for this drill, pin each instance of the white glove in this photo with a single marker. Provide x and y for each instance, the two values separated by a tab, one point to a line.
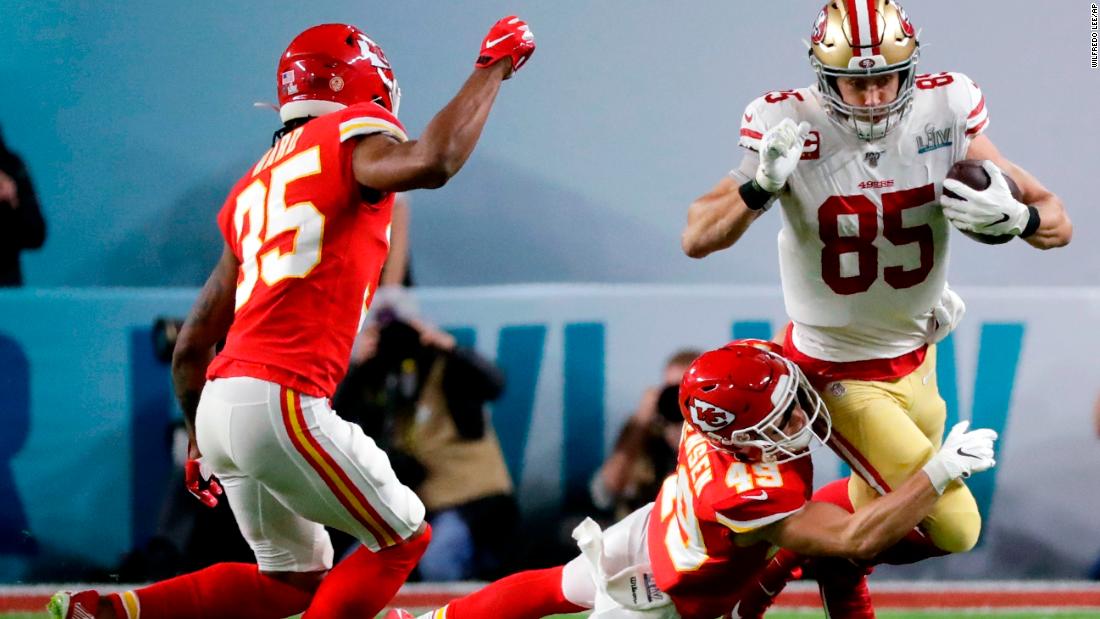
991	211
780	151
946	315
963	453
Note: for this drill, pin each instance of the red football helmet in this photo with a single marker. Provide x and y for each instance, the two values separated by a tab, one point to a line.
330	67
747	398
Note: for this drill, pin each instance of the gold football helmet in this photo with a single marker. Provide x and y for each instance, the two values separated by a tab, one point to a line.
854	38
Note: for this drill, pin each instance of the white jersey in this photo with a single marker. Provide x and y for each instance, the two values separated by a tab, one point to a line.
863	249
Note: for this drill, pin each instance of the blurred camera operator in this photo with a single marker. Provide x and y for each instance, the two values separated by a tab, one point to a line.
423	399
645	452
21	223
188	535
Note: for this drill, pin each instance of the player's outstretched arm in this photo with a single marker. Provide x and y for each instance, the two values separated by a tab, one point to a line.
824	529
385	165
1055	228
716	220
206	325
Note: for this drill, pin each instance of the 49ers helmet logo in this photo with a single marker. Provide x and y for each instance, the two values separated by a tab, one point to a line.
818	33
708	417
903	19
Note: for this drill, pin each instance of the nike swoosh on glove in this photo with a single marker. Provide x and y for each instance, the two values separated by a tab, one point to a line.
510	37
962	454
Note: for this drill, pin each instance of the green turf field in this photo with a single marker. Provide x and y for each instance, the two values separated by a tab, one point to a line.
814	615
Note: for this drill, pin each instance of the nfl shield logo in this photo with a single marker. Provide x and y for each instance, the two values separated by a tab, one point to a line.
871	157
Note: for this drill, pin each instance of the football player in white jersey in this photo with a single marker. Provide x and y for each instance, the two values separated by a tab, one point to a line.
857	164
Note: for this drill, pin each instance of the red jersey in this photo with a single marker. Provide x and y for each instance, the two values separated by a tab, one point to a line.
311	251
701	512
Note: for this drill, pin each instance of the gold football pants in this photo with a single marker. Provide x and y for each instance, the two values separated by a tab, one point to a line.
887	431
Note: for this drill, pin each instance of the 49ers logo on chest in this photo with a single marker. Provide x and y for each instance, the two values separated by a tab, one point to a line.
709	417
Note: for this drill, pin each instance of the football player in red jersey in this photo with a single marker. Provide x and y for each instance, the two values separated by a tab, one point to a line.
306	233
742	487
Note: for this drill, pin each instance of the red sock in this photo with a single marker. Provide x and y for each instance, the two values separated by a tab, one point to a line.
364	583
843	587
915	546
535	593
221	591
755	598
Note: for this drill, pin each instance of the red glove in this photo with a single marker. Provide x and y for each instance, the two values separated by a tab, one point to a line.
201	483
508	38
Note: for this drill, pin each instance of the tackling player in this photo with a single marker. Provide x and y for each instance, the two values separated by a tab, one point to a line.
306	233
857	163
742	486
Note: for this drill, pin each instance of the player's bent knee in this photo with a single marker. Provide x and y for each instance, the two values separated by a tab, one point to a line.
955	523
578	582
962	536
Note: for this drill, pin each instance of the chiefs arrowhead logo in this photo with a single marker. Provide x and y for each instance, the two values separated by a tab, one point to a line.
709	417
748	118
372	53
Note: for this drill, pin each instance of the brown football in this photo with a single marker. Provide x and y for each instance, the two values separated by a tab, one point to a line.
971	173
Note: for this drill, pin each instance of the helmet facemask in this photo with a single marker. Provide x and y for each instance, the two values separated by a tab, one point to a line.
771	438
868	122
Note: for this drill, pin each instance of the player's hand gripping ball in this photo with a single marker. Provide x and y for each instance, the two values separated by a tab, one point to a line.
510	37
983	202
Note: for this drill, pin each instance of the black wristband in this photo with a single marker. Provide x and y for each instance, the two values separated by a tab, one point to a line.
1032	222
754	196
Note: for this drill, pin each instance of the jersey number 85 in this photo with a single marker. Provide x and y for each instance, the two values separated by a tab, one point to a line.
862	243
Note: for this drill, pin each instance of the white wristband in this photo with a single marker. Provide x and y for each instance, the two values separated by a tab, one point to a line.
938	475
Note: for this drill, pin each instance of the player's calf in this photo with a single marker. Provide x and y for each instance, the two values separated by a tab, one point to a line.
843	587
343	594
534	593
